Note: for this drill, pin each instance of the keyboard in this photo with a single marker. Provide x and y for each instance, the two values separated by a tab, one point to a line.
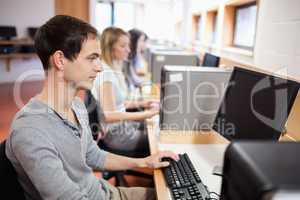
183	180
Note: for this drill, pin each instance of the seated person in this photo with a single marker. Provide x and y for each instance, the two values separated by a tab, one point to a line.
125	130
136	66
50	144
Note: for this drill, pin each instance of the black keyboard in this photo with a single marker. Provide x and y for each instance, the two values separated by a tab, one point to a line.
183	180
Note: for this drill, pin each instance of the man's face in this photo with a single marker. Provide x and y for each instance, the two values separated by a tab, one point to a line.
83	70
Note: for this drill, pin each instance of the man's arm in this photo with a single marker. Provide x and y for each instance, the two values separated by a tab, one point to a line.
102	160
95	157
116	162
39	159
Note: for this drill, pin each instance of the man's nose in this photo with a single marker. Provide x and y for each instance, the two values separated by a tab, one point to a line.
98	66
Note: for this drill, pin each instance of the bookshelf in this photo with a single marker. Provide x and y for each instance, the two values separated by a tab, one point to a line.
10	56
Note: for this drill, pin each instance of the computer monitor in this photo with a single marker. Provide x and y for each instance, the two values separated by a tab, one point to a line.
255	106
191	96
210	60
151	48
261	171
162	58
7	32
32	31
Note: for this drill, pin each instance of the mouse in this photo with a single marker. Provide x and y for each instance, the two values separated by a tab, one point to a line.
166	159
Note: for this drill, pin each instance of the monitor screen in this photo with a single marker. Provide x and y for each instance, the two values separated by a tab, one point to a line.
7	32
32	31
255	106
210	60
191	96
162	58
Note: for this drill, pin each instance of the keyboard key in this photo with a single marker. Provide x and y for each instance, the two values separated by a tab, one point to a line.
184	181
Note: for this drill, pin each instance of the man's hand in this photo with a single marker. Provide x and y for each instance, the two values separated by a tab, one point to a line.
154	161
115	162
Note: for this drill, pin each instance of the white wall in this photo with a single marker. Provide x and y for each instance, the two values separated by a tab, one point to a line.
277	45
22	14
277	40
159	21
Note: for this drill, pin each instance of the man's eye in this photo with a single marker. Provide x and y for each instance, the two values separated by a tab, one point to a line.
92	58
96	60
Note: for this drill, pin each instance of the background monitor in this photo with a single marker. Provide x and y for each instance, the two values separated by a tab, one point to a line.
211	60
32	31
8	32
161	58
151	48
191	96
255	106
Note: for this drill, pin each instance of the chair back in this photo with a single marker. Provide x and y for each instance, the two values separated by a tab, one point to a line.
10	186
96	115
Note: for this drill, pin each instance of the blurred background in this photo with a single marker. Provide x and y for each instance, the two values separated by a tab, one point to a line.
261	34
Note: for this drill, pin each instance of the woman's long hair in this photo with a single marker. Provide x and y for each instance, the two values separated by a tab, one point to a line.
135	34
108	39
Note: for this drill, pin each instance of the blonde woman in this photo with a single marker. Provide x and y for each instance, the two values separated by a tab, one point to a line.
125	130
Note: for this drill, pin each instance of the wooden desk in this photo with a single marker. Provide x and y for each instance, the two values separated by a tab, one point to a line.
205	149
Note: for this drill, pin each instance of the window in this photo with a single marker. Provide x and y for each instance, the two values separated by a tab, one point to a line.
124	15
199	27
245	25
215	28
158	23
119	14
103	14
211	27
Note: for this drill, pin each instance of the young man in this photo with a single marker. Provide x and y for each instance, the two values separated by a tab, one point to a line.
50	144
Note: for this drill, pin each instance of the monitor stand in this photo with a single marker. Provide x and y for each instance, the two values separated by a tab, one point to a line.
218	170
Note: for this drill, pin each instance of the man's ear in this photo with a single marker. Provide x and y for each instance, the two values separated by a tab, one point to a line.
59	60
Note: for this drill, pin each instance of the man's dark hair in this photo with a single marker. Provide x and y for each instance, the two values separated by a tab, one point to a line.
63	33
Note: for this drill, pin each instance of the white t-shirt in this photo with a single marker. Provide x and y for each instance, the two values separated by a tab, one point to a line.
113	77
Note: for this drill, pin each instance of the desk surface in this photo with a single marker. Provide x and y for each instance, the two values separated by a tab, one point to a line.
204	157
205	149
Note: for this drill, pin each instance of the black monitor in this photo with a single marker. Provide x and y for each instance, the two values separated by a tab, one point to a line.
32	31
7	32
255	106
261	171
210	60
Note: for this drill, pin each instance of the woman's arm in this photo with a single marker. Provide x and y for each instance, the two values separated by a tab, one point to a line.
129	104
108	103
140	104
116	116
141	71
